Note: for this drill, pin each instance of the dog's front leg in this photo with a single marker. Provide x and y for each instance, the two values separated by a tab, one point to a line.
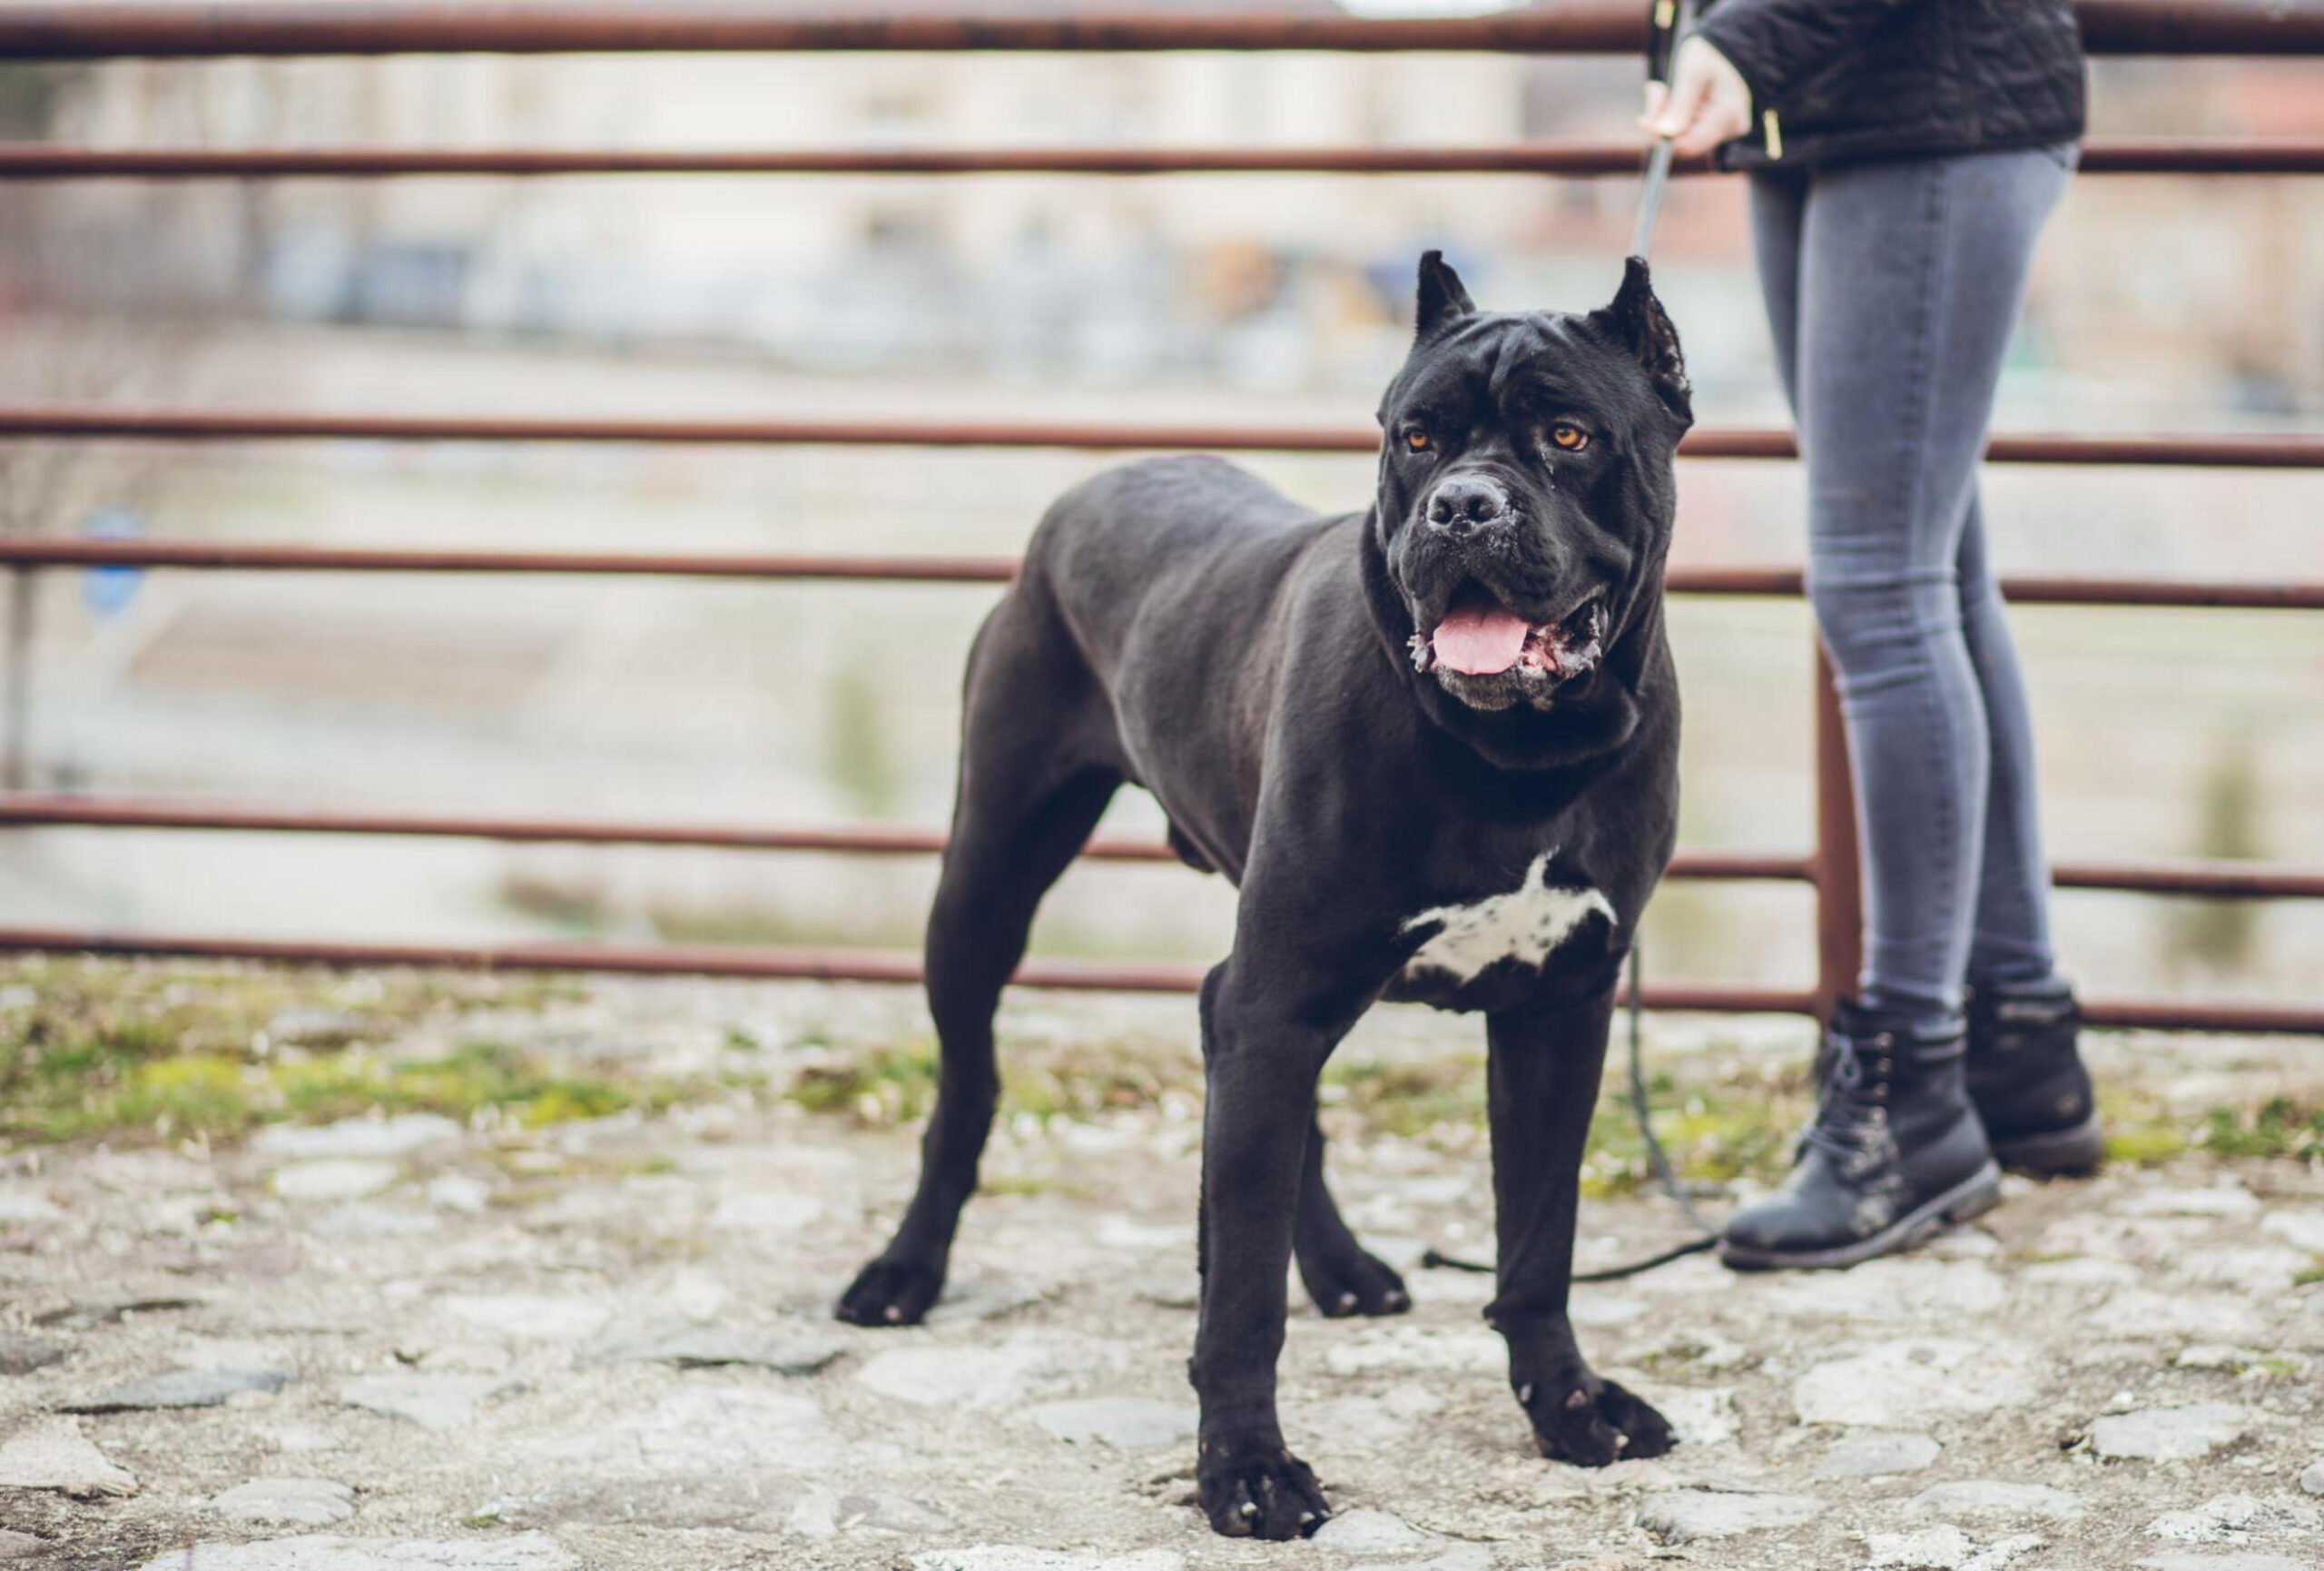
1542	1086
1260	1061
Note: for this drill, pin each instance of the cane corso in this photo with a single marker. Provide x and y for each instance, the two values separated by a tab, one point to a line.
1434	743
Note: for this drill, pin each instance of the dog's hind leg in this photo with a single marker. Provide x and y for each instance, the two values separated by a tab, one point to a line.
1030	795
1340	1274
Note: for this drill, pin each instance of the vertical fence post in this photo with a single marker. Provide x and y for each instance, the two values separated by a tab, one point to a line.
16	683
1839	890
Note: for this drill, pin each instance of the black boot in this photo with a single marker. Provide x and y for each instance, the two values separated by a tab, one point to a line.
2027	1081
1895	1152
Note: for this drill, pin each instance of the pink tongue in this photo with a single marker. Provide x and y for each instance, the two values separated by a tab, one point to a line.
1479	639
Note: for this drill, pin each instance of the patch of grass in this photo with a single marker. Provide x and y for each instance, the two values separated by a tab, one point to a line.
2307	1276
2142	1133
1413	1100
199	1093
1094	1081
563	1102
96	1049
2140	1130
473	1076
1713	1133
1720	1136
889	1086
2143	1144
2280	1127
131	1050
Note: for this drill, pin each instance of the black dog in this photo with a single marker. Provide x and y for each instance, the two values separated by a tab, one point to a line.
1434	743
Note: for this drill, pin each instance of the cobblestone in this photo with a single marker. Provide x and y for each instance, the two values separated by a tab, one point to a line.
608	1344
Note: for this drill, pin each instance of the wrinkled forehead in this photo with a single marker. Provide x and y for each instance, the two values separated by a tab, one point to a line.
1511	358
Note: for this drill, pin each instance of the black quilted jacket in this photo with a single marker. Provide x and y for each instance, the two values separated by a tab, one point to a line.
1839	80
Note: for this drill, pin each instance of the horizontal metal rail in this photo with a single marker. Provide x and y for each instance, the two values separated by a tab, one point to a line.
112	29
1094	976
42	161
654	960
31	810
36	551
2292	450
2203	1014
2200	879
44	552
718	960
2207	879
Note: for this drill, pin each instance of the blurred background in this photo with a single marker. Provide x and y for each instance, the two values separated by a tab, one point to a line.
2165	305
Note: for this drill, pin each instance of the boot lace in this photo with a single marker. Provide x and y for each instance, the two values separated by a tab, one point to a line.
1851	1125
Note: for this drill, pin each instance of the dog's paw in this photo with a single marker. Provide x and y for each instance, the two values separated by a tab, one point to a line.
1258	1490
890	1293
1594	1423
1355	1284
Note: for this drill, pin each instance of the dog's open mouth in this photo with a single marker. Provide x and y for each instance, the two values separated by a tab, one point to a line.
1480	637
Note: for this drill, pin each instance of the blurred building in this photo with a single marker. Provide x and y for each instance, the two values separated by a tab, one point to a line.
1113	279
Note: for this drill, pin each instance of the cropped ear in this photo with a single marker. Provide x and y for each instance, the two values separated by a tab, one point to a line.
1638	318
1442	297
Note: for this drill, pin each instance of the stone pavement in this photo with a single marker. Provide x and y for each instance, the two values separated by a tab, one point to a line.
407	1342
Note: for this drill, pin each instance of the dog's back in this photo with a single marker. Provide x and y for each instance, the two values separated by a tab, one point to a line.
1137	550
1162	581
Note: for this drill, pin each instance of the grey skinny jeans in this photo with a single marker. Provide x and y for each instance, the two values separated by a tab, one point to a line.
1892	289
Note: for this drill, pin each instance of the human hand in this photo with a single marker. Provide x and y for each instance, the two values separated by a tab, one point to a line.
1707	103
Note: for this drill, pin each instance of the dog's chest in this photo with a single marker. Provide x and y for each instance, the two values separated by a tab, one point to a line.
1522	927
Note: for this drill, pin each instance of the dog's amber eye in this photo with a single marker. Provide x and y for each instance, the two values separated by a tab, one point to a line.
1418	441
1571	438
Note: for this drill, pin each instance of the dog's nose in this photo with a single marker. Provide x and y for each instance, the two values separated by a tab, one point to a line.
1465	501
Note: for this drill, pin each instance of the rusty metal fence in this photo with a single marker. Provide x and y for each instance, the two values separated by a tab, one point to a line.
102	29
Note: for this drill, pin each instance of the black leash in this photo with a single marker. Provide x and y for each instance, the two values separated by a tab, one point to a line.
1679	21
1657	1158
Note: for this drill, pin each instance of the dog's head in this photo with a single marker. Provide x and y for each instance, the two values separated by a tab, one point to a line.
1524	512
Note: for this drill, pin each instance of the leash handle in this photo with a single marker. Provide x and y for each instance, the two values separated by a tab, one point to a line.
1677	19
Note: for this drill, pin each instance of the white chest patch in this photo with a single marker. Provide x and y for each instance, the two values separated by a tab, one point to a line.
1523	925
